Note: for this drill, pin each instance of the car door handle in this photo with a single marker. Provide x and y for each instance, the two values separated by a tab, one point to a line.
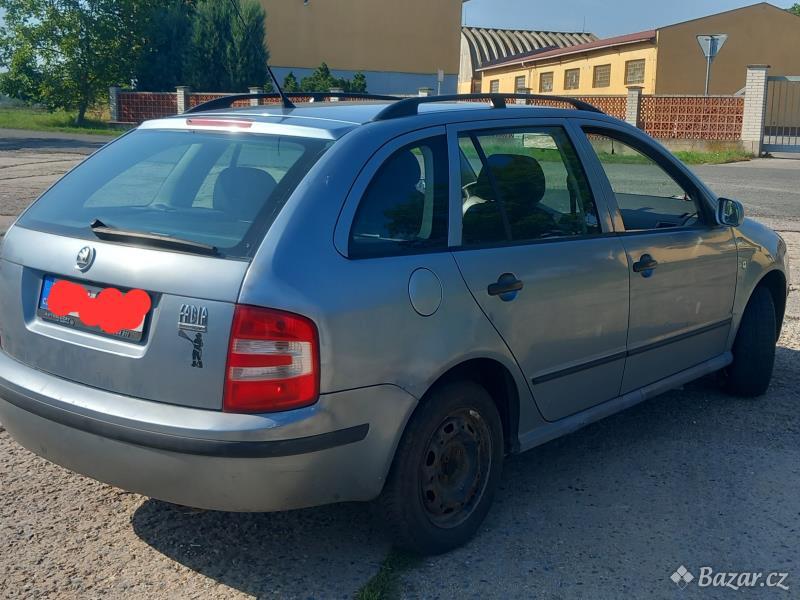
646	263
506	284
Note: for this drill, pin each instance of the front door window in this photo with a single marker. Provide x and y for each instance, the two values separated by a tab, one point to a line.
647	196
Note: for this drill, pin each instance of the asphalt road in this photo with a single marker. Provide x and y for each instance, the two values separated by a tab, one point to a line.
768	187
30	161
692	478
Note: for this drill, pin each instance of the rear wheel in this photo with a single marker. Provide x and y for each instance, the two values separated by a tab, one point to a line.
446	470
754	349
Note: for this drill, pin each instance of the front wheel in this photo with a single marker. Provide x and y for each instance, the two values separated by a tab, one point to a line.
446	470
754	349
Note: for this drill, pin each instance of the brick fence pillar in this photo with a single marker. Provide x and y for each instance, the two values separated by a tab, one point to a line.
755	108
255	90
335	90
184	92
633	106
113	103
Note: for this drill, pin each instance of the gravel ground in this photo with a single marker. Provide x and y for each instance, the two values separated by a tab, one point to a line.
693	478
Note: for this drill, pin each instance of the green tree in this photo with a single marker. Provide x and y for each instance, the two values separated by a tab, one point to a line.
66	53
359	84
23	78
795	9
322	80
167	32
290	83
207	66
226	53
248	52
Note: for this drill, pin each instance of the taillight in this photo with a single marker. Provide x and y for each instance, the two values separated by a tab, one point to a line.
273	361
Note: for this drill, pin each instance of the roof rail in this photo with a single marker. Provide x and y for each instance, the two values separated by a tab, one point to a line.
228	101
409	107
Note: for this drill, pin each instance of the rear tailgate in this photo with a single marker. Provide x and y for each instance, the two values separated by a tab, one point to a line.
173	215
163	365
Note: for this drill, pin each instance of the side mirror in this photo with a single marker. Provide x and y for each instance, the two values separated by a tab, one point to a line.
730	212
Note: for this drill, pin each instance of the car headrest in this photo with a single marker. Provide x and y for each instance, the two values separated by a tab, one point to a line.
520	179
396	184
241	192
402	171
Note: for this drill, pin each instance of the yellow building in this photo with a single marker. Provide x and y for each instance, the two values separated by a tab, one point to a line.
667	60
481	46
399	46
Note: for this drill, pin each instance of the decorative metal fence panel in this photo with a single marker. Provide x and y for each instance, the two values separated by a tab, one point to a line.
693	117
782	122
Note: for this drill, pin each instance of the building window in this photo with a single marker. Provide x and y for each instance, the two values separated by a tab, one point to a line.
634	71
602	76
572	79
476	86
520	86
546	82
494	86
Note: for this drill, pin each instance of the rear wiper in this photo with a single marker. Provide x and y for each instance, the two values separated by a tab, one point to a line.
106	232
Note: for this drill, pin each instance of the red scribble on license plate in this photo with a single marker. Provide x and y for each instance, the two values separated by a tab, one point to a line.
112	311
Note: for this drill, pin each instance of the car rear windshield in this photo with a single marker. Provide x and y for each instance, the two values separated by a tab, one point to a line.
217	189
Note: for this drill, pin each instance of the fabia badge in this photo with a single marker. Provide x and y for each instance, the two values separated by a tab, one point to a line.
85	258
195	320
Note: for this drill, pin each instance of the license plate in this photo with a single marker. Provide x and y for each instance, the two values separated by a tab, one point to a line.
72	320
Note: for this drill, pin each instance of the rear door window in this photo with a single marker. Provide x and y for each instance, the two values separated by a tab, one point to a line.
524	185
218	189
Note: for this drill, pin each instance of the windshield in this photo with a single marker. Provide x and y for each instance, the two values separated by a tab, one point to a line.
219	189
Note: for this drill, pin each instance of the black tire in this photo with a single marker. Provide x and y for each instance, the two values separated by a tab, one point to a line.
754	349
425	487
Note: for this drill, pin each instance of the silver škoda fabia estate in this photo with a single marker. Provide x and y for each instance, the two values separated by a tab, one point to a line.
275	307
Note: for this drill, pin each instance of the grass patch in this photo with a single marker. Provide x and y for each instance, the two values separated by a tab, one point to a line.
57	121
385	584
691	157
624	157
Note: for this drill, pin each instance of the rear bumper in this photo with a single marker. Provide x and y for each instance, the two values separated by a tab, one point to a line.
337	450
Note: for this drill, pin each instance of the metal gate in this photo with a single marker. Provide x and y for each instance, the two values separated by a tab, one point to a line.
782	123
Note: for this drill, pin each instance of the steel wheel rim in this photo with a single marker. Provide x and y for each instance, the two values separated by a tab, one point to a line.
454	469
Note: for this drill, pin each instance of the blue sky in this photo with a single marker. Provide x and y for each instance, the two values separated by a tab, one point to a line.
602	18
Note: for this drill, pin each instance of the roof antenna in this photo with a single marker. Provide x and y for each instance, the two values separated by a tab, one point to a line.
284	98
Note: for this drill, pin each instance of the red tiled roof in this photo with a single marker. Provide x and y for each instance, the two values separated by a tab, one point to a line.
631	38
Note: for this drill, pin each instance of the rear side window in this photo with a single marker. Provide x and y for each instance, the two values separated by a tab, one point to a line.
524	185
405	207
220	189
